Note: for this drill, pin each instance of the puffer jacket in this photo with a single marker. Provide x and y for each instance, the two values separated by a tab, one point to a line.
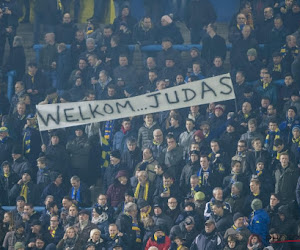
145	135
79	150
180	231
120	138
286	182
259	224
208	241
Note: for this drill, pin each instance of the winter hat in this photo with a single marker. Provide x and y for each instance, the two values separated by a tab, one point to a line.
19	245
167	18
238	185
17	150
189	220
296	127
232	123
258	160
26	171
194	152
159	228
293	108
6	163
82	128
121	173
200	134
237	215
84	211
251	52
199	196
30	117
116	154
20	198
142	203
219	106
3	129
295	93
129	192
256	204
191	204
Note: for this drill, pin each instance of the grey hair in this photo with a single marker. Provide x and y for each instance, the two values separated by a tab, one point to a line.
129	207
90	40
18	40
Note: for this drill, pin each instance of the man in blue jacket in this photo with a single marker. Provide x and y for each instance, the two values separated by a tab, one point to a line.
259	220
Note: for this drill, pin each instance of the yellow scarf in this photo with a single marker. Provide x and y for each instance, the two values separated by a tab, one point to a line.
59	5
277	68
246	116
24	191
137	191
179	247
145	214
89	31
155	237
52	231
32	77
6	175
265	85
166	189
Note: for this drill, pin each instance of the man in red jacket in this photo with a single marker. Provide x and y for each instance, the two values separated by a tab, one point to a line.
159	239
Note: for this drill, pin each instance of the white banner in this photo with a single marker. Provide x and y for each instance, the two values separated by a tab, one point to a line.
60	115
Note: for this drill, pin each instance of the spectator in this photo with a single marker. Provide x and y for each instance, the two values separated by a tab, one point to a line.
65	32
159	239
79	192
79	150
259	221
213	45
286	177
200	14
25	188
169	29
202	242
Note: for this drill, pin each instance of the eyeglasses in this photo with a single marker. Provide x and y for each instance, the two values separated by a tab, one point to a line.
53	220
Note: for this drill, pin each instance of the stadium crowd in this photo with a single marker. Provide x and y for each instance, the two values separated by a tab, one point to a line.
218	176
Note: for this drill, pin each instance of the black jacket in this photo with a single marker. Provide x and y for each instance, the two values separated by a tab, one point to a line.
32	193
65	33
170	31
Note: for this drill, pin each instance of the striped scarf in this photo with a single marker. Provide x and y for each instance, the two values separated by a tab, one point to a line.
267	140
105	159
24	191
109	127
26	139
137	191
135	227
297	141
52	231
